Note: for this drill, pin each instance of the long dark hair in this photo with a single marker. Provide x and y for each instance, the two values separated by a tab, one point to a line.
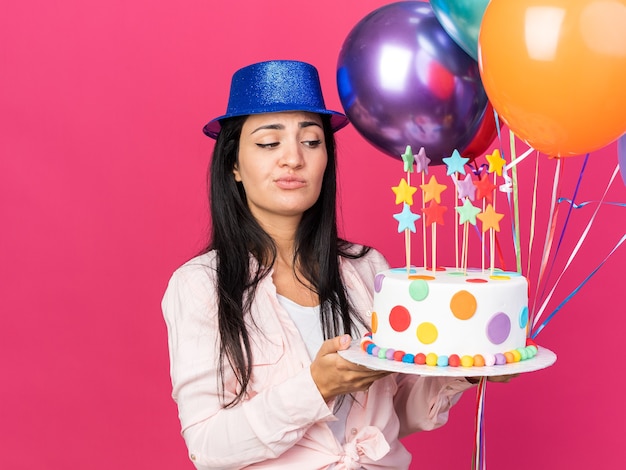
236	235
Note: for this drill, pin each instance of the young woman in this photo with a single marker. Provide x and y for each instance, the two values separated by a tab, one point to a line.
255	322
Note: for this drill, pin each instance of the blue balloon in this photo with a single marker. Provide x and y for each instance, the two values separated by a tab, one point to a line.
461	19
402	80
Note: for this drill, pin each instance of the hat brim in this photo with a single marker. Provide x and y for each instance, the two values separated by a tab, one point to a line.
337	120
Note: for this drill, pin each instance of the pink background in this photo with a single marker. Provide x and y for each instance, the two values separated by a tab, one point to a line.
102	196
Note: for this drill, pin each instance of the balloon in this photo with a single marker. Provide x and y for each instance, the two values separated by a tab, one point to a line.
621	156
555	71
461	19
485	135
403	81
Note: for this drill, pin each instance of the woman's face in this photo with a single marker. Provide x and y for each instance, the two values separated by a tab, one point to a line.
281	163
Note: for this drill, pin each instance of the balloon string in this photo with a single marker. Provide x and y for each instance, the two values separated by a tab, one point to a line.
575	291
492	232
575	251
517	241
550	229
519	159
569	212
583	204
492	239
478	461
533	215
497	119
508	190
516	229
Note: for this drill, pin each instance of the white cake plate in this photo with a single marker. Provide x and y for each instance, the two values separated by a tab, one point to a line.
544	358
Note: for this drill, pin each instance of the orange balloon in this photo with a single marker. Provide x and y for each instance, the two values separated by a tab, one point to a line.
555	71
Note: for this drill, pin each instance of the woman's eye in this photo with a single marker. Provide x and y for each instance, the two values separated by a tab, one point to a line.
268	146
312	143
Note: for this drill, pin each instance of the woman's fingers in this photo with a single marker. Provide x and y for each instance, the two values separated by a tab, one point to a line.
335	375
330	346
502	378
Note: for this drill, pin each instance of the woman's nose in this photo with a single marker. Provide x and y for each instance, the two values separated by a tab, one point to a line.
292	155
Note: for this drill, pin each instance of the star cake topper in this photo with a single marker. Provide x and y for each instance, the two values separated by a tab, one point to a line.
406	219
467	212
408	158
433	189
434	213
455	163
490	219
404	192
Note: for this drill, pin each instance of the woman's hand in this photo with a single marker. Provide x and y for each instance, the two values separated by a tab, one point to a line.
334	375
502	378
494	378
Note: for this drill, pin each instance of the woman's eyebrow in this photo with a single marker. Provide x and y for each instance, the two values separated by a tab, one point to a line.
269	126
304	124
277	126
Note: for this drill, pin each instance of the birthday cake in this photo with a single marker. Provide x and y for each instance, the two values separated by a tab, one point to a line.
450	317
453	316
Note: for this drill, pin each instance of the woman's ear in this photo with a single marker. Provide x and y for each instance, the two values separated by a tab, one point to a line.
236	173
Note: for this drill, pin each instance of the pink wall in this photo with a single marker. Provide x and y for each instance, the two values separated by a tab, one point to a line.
102	196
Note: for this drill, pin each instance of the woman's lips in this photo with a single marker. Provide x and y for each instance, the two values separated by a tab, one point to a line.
290	182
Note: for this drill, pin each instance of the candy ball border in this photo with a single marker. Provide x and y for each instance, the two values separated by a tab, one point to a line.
432	359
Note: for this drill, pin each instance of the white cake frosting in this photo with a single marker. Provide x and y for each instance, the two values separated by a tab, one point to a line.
450	312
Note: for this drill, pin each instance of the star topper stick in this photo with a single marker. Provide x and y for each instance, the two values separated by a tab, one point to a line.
407	159
491	221
467	212
496	163
421	165
434	212
484	192
455	164
404	193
